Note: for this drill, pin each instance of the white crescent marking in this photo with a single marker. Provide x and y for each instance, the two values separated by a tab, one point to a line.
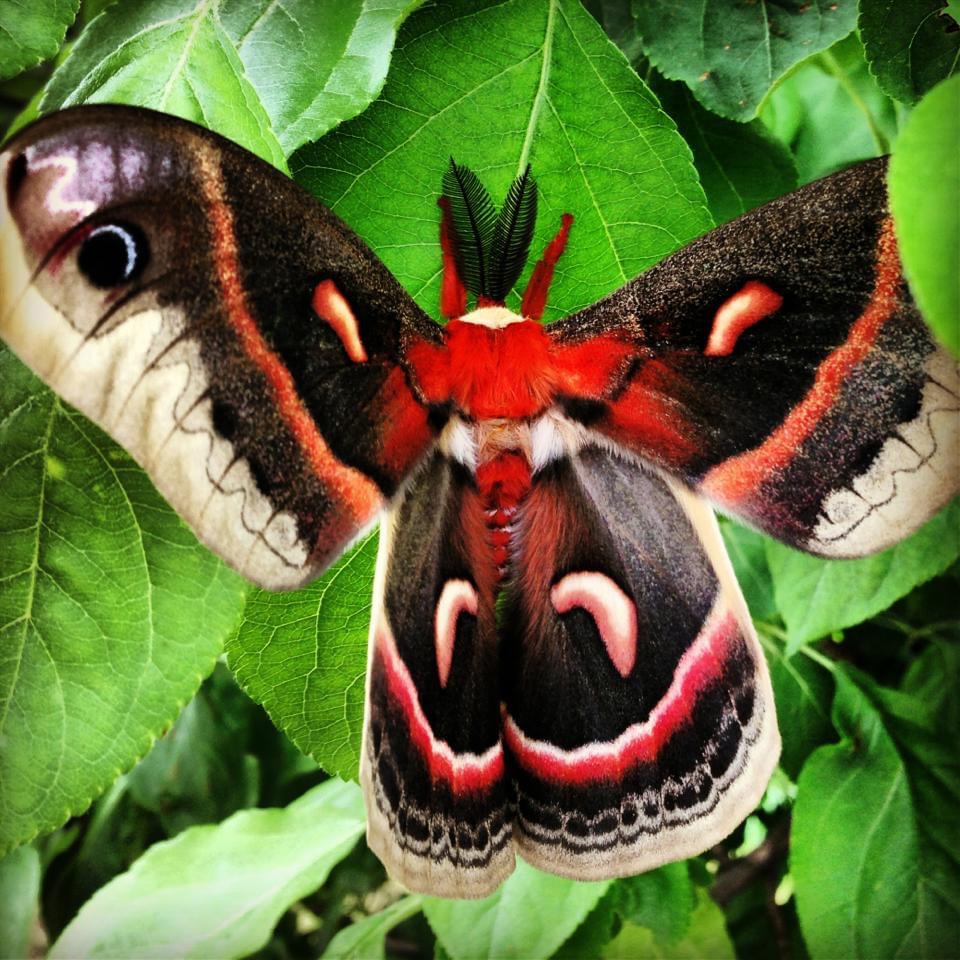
457	597
753	302
332	307
611	609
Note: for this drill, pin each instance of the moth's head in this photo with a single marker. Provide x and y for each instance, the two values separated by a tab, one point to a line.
493	317
485	250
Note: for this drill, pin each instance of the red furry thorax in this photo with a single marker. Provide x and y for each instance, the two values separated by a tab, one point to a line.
486	372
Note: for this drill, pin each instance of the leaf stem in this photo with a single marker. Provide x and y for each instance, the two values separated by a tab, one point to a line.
771	630
939	627
817	657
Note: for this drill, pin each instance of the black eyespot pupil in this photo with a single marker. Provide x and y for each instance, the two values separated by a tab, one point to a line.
112	254
16	174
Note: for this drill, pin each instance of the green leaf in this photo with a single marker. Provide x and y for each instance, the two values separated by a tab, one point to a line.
831	112
218	64
911	45
510	83
596	930
925	201
731	54
929	680
923	718
19	891
707	937
748	554
862	887
802	691
303	656
93	8
754	925
334	61
818	597
171	55
102	595
199	772
218	891
32	32
529	916
662	900
112	834
363	940
741	165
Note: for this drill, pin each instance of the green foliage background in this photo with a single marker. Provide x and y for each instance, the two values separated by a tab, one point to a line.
147	802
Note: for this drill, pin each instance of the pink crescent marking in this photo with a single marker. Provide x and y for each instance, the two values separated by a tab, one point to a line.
457	597
331	306
750	304
612	611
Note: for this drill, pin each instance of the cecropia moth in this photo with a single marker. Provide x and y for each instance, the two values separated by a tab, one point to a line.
561	662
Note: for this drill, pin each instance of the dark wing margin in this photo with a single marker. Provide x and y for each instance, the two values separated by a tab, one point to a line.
237	338
639	723
779	366
432	761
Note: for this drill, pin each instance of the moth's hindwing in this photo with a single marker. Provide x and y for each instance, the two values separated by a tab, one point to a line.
225	328
779	366
432	761
639	723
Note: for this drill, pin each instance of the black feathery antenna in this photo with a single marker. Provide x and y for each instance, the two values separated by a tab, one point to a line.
512	234
473	217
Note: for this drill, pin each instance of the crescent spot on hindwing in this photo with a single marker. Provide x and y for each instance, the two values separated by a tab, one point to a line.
229	331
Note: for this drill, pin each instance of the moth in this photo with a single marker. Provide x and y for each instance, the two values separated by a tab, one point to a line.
561	662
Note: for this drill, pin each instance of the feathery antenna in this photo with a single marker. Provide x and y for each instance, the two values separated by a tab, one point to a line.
512	234
473	217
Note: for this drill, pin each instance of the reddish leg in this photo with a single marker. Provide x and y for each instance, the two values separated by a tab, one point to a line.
535	295
453	293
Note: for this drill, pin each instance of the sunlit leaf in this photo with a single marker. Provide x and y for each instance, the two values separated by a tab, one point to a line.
270	76
925	200
218	891
707	937
529	916
173	56
662	900
363	940
314	64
